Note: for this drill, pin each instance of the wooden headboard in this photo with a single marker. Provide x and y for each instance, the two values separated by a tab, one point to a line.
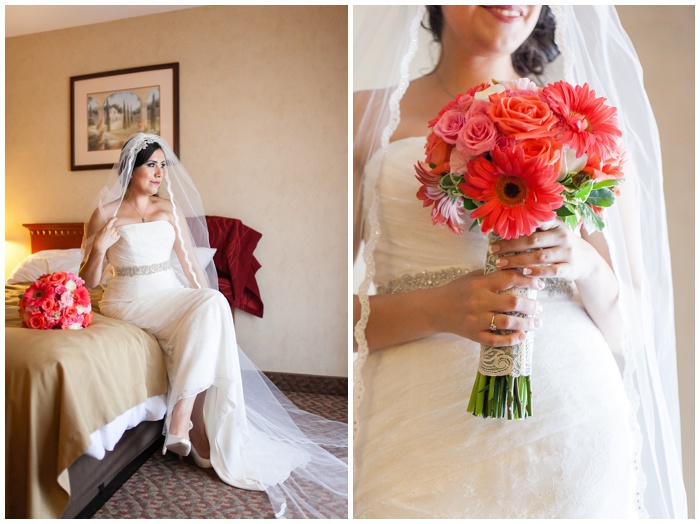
55	236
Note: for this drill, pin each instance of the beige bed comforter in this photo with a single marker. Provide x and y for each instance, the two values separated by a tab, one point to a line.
60	386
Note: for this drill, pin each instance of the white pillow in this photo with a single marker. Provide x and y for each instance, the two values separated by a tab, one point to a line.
44	262
204	254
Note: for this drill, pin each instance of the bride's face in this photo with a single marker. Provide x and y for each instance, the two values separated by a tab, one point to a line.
147	178
490	29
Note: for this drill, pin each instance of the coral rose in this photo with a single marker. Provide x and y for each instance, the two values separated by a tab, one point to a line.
546	148
437	152
522	117
37	322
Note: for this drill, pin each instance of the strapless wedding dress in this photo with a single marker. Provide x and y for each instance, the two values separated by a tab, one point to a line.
255	444
419	454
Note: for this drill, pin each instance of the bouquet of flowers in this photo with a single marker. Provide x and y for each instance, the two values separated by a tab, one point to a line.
56	301
514	156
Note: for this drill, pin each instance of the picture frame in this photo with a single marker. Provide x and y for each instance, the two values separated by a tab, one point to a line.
106	108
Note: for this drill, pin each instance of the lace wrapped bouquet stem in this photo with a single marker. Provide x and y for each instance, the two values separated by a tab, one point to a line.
515	156
502	385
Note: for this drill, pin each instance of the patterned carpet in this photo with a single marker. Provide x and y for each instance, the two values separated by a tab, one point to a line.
170	487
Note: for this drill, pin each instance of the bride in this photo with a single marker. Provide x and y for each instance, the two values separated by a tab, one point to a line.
147	223
600	443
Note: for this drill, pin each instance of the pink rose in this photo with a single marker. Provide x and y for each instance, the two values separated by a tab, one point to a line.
449	125
479	107
477	136
464	102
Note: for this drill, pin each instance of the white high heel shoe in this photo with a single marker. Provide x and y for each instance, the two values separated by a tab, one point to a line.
201	462
179	445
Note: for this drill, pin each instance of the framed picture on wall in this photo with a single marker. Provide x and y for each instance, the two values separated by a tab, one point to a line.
107	108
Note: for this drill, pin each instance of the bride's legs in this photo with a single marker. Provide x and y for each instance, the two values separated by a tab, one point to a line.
198	435
180	419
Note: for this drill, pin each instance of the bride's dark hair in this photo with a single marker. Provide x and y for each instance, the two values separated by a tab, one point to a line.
531	57
145	154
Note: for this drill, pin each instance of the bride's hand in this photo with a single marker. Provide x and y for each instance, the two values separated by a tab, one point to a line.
468	305
106	237
555	251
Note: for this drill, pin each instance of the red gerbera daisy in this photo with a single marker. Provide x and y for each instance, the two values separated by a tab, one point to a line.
588	124
518	192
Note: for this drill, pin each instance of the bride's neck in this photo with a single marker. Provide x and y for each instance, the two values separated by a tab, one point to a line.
134	198
459	72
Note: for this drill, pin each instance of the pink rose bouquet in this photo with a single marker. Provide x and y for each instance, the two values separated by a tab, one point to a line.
56	301
513	156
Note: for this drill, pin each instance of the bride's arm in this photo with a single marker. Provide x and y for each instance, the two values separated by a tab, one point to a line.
99	238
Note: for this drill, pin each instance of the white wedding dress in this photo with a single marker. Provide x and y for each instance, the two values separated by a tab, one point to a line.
254	448
419	454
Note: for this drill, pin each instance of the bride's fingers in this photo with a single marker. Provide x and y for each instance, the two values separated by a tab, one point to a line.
504	280
538	240
559	254
515	304
501	321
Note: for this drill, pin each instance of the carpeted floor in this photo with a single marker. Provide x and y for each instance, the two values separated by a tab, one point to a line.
170	487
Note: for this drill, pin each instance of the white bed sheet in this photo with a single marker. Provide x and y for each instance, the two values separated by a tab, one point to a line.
106	437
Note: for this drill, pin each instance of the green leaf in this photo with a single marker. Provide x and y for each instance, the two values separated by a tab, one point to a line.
474	224
591	221
469	204
607	183
601	198
571	221
583	193
564	211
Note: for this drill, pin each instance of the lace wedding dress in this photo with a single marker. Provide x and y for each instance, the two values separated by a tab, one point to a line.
259	440
419	454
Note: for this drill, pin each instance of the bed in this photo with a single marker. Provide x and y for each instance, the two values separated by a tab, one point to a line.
82	405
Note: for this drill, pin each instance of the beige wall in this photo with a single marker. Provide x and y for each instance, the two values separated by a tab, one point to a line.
263	132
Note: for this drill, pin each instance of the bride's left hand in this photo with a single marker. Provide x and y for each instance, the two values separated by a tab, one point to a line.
555	251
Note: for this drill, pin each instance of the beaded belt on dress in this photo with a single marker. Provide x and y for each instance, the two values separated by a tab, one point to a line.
554	287
149	269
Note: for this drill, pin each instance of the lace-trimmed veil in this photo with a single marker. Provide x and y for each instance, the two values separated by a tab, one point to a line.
178	188
594	49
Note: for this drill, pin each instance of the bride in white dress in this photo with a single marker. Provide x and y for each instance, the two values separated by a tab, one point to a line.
221	410
417	452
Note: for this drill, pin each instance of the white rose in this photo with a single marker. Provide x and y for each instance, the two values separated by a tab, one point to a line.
571	164
484	95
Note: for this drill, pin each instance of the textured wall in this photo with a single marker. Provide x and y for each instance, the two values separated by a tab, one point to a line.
263	132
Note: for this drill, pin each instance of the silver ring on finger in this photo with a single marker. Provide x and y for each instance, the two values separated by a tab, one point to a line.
492	326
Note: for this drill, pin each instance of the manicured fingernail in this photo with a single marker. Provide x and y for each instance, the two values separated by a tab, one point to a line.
538	322
495	248
501	262
527	271
521	337
540	283
539	307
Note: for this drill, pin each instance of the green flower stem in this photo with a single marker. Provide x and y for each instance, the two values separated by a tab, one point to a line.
501	397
